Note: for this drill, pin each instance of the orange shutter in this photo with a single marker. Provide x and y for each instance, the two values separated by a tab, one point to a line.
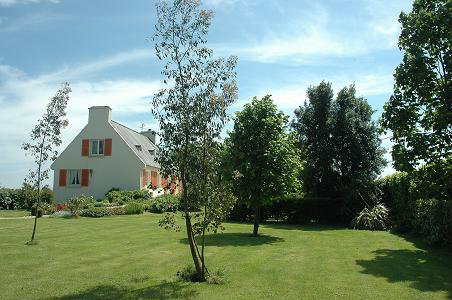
62	178
85	147
145	178
164	184
154	179
173	185
85	177
107	151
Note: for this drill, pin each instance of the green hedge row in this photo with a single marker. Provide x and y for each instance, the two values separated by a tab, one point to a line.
421	201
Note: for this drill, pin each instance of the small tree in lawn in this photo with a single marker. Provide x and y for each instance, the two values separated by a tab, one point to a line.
45	137
263	156
191	113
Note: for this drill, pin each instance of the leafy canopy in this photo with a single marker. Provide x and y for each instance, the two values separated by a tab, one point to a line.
419	113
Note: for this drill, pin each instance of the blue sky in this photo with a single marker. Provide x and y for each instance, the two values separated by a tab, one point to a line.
101	48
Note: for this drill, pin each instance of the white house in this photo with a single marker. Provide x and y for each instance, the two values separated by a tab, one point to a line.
105	155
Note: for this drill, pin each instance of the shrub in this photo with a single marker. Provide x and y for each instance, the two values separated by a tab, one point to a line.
164	203
116	196
122	197
62	214
75	204
8	199
134	208
433	219
116	210
217	277
375	218
188	274
294	209
40	211
95	212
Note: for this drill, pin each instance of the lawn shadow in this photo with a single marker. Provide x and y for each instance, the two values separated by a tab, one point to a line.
237	239
305	227
164	290
427	271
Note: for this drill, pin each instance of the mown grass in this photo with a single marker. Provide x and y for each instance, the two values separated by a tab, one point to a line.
130	257
14	213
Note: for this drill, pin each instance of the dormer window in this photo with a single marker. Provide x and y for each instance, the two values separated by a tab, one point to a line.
138	147
152	152
97	147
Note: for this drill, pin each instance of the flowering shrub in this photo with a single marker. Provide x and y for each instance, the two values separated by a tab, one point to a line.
164	203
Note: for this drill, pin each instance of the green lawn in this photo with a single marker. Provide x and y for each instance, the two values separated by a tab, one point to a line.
14	213
130	257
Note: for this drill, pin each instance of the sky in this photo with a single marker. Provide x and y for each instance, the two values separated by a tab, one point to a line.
102	49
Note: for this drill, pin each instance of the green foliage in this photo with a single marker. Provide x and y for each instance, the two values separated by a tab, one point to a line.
217	277
9	199
23	198
294	209
95	212
189	274
419	113
192	108
433	219
165	203
373	218
405	194
122	197
134	208
75	204
339	139
341	146
396	194
261	158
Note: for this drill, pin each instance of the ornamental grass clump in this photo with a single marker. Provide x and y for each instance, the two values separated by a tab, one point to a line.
374	218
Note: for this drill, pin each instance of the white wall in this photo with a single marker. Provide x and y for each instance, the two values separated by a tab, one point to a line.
123	169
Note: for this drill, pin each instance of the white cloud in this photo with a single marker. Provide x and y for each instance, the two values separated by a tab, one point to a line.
314	34
15	2
29	21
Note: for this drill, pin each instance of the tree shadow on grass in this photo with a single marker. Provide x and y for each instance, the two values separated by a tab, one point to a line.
305	227
237	239
427	271
164	290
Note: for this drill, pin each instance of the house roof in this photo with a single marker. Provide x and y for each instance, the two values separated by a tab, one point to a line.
139	144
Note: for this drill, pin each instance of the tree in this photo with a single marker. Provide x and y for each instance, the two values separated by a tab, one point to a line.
191	112
45	137
262	155
312	126
340	141
419	113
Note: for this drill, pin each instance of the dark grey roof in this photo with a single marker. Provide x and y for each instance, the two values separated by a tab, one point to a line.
135	139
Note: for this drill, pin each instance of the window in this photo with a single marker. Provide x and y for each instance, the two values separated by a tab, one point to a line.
138	147
75	177
152	152
97	147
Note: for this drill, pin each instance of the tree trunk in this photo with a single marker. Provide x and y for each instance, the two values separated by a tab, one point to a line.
256	219
191	242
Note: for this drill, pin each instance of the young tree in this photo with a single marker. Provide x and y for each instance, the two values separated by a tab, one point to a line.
419	113
45	137
262	155
191	112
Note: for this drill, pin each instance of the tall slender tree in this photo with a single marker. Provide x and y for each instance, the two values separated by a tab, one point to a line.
191	112
45	137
